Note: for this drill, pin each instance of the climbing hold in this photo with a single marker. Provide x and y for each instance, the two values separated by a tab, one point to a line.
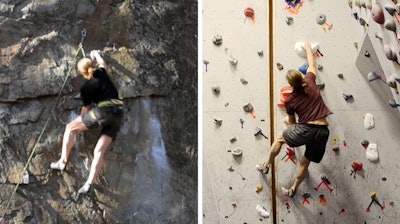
243	81
289	20
340	75
366	54
216	90
364	143
279	66
369	121
218	121
259	187
372	76
355	14
230	169
357	165
390	25
357	3
249	109
391	81
393	104
262	211
363	4
249	12
258	131
384	178
233	140
285	91
205	62
321	86
299	49
350	3
347	97
320	67
390	8
303	68
232	60
25	178
377	13
390	54
368	4
260	53
363	22
355	44
321	19
372	152
217	40
236	151
241	123
378	35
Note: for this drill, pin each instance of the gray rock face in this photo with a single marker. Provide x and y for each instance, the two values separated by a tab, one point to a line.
150	171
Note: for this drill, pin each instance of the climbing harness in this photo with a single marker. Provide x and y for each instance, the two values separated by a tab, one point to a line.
80	49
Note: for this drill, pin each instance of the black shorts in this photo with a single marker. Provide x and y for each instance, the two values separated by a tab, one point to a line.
109	118
314	137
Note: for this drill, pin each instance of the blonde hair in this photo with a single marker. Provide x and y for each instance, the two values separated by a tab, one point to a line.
86	67
295	79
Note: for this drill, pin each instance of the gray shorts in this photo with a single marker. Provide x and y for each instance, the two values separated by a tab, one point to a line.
108	118
314	137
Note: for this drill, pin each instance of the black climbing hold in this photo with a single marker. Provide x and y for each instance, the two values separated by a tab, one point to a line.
216	90
217	40
364	143
347	96
367	54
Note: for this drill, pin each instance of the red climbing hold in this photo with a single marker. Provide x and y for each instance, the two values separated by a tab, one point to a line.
357	165
249	12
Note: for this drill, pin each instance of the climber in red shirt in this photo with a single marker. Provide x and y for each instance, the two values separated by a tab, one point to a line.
311	128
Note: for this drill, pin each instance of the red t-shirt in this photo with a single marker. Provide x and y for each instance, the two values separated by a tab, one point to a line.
310	106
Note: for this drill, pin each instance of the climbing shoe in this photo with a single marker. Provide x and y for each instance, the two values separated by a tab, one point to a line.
58	165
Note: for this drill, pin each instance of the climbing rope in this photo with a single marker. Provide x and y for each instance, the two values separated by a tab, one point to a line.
80	49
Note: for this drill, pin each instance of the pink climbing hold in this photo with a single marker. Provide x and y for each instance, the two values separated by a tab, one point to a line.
377	13
249	12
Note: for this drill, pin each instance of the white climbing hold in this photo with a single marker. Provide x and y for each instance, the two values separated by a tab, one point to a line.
232	60
237	151
25	178
299	49
368	4
369	121
262	211
372	152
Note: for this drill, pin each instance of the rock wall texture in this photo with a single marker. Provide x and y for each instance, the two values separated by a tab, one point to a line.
150	171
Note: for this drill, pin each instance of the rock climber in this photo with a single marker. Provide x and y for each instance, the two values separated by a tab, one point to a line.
101	107
311	128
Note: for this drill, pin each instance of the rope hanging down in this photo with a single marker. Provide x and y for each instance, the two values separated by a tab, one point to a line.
80	49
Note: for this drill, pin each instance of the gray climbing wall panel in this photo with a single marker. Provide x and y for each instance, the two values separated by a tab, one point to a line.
229	196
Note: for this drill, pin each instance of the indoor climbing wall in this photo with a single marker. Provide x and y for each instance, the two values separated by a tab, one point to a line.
235	110
358	73
356	180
